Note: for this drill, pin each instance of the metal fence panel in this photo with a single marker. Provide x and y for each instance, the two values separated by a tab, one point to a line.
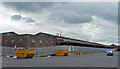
49	50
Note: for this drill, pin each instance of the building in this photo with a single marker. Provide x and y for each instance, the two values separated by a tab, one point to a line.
12	39
44	43
0	39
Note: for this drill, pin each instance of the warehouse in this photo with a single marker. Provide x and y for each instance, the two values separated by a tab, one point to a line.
0	39
44	43
12	39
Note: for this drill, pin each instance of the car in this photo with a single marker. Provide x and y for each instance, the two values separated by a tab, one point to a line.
110	53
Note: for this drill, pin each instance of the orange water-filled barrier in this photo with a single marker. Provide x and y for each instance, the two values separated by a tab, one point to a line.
25	53
62	52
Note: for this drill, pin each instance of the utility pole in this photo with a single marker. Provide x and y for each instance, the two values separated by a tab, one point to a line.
60	33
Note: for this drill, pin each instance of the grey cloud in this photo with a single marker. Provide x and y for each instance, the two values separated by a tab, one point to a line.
16	17
107	11
30	20
71	12
71	17
19	17
28	6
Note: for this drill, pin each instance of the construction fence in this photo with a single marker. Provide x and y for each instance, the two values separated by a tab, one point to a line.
10	51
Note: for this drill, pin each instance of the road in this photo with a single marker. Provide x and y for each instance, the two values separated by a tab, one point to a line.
85	60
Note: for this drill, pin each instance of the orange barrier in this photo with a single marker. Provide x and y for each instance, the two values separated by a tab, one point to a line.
62	52
78	53
25	53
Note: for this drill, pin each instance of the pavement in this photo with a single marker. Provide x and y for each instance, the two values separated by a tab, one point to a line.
85	60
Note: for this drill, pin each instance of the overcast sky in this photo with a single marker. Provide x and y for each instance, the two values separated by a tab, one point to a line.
92	21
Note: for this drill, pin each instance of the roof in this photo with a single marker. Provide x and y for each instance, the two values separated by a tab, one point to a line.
68	38
17	34
9	32
54	36
25	34
85	45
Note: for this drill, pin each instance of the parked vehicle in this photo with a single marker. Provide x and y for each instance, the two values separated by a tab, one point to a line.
110	53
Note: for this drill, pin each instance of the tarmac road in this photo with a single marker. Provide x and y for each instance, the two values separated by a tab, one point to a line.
85	60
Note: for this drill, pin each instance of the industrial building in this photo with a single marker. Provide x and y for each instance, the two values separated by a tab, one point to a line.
44	43
12	39
0	39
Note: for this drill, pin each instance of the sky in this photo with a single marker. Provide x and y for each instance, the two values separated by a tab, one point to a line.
89	21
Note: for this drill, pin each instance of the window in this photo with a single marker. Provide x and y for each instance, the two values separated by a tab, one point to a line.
40	41
51	42
33	41
13	41
8	34
59	42
46	42
6	41
20	41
